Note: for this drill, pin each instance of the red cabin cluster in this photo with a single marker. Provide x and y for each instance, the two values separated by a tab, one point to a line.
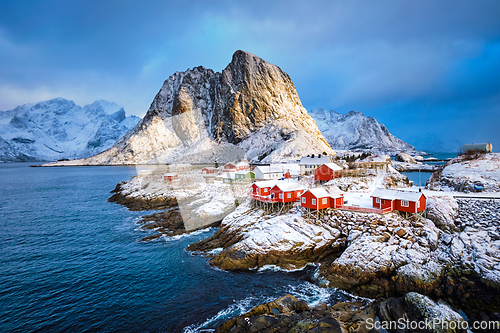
384	200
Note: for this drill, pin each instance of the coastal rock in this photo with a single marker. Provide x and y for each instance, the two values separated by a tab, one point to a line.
417	309
289	314
442	210
251	239
463	172
404	157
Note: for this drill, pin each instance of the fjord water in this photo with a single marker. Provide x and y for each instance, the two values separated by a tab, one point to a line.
71	261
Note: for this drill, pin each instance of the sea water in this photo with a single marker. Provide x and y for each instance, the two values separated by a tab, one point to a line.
72	262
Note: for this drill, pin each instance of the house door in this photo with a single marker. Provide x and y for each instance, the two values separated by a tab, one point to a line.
272	195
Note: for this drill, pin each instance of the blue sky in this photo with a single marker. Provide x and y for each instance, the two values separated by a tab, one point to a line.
429	70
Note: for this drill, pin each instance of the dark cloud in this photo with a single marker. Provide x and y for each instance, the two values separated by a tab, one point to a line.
432	64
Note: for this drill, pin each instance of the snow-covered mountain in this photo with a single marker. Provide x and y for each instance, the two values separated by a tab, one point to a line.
354	130
59	129
251	108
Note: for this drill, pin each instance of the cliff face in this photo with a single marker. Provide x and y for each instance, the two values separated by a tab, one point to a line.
251	108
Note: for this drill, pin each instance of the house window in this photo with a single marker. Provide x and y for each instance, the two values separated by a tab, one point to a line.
324	201
265	190
289	195
304	200
383	201
418	204
281	195
377	200
314	201
405	203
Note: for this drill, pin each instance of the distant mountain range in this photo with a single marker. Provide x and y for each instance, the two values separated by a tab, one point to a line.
60	129
249	110
355	131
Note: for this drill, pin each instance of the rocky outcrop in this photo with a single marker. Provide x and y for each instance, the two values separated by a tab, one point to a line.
167	223
289	314
443	210
418	313
370	255
198	115
404	157
122	196
463	172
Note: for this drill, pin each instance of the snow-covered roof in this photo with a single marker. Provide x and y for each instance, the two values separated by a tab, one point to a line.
287	187
242	172
389	194
279	168
169	174
333	166
242	163
229	175
322	192
319	192
265	183
315	160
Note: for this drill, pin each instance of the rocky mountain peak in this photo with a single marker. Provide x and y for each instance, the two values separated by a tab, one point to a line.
252	106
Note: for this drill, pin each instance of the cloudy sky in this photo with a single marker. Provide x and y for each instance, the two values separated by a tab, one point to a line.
429	69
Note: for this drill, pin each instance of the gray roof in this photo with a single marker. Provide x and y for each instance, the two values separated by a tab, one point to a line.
389	194
315	160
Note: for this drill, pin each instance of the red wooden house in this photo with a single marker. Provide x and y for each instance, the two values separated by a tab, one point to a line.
209	171
327	172
404	201
287	192
230	167
320	198
262	188
170	176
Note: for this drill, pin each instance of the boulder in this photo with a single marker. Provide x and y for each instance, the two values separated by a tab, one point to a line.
443	210
416	309
404	157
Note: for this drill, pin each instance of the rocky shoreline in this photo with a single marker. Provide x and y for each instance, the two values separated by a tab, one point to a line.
452	256
289	314
370	255
167	223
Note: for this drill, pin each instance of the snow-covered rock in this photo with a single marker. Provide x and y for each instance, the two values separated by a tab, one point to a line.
461	173
59	129
404	157
251	108
442	210
354	130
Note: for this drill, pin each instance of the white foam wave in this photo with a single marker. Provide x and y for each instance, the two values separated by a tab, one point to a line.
275	268
189	234
236	309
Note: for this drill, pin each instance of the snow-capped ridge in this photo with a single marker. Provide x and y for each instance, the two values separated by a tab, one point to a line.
60	129
354	130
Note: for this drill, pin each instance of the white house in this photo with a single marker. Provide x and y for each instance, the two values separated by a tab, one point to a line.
309	164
